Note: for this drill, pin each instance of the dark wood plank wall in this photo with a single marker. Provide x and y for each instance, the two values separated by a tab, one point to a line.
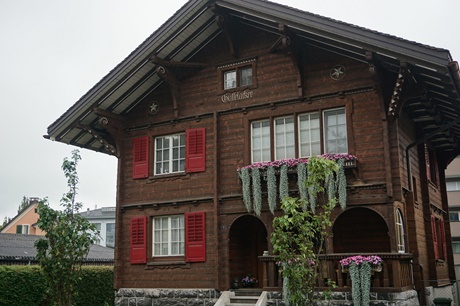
199	100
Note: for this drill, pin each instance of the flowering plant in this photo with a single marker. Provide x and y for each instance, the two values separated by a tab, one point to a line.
373	260
293	162
248	280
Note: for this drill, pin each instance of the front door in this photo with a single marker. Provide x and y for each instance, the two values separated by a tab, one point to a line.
248	241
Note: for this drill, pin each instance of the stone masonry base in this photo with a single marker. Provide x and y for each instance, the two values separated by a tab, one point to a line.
208	297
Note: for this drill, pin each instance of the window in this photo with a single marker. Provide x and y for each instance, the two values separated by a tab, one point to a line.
176	153
309	135
456	247
168	236
284	138
400	232
453	216
439	238
170	154
260	131
453	184
335	131
315	133
22	229
431	165
110	235
238	77
98	229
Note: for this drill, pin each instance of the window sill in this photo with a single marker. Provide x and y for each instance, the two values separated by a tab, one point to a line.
168	177
173	264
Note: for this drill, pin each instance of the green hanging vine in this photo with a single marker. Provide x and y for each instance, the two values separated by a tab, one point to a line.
256	191
284	182
246	181
335	182
271	189
342	183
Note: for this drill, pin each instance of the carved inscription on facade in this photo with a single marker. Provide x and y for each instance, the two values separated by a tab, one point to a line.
237	95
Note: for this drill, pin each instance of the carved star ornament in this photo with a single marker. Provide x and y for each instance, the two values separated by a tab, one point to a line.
337	72
154	107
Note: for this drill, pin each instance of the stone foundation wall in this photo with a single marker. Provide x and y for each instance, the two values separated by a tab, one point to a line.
166	297
406	298
208	297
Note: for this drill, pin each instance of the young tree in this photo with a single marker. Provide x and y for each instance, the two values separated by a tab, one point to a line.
300	233
24	204
67	240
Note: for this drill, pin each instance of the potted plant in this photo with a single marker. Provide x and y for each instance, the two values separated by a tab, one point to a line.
360	269
248	281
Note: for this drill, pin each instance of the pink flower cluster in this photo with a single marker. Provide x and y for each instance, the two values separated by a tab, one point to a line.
357	260
293	162
248	280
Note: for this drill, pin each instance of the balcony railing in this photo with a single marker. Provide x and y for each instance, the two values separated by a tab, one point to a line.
396	274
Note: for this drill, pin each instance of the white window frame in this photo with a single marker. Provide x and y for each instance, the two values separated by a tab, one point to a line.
305	135
170	160
453	184
110	237
25	229
326	129
456	247
287	148
168	232
400	241
262	150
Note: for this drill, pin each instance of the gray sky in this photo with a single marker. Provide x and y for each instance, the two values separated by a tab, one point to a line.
53	51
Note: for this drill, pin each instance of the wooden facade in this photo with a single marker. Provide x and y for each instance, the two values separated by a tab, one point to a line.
180	136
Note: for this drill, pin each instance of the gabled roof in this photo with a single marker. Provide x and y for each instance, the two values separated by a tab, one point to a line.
194	26
22	247
33	204
99	213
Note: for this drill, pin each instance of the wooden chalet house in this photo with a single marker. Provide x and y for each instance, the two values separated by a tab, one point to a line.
227	83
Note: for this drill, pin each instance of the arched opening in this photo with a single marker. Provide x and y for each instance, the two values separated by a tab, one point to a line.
248	241
360	230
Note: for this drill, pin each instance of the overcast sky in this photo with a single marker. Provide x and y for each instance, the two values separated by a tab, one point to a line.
53	51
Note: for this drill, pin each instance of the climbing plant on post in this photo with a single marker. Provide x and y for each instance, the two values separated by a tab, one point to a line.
67	240
300	233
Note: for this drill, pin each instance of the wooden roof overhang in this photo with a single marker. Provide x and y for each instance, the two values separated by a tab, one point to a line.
430	78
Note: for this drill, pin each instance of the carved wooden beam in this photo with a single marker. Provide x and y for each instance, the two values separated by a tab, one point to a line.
109	146
289	44
393	107
225	23
169	77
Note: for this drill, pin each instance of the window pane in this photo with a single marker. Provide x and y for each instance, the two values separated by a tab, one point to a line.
260	141
456	247
284	138
168	236
309	135
453	216
169	151
335	131
246	76
230	79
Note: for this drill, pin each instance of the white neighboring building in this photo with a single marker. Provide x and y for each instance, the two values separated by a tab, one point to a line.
104	219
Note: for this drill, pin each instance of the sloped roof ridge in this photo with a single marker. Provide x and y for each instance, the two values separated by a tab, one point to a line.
355	26
123	61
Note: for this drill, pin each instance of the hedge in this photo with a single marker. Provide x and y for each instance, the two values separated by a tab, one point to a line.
26	285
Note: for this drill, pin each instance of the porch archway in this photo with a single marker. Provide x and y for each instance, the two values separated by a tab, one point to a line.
360	230
247	241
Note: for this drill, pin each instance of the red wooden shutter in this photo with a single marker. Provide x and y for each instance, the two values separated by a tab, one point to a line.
195	237
138	241
141	157
443	239
196	150
435	237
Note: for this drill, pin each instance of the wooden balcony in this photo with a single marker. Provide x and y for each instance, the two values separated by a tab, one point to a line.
396	274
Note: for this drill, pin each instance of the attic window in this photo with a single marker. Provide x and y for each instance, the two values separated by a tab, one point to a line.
239	75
